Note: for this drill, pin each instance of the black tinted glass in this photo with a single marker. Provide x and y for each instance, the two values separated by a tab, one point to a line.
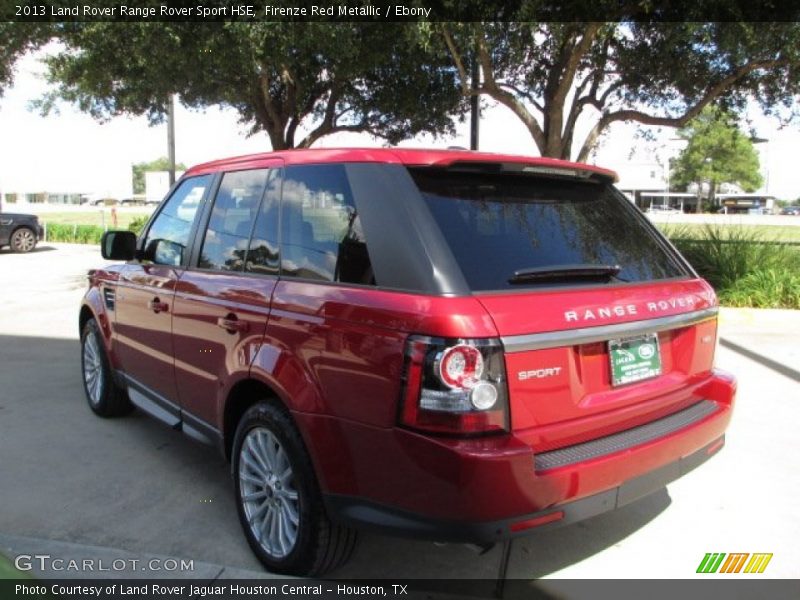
322	237
263	254
169	234
499	224
231	222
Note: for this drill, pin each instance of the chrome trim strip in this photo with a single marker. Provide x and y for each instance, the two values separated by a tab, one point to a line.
587	335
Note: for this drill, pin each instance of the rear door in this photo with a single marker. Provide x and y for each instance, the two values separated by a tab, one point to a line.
144	299
222	302
336	349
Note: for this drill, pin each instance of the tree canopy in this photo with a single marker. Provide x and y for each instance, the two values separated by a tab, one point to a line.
15	40
566	81
653	73
325	77
717	152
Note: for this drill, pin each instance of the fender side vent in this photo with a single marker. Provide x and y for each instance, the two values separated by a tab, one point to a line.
109	296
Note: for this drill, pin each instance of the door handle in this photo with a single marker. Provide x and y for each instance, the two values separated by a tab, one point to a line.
157	305
232	324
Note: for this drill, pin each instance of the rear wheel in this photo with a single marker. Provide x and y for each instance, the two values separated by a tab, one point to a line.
105	397
278	498
23	240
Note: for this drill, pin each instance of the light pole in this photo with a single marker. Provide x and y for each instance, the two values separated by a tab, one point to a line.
475	107
171	138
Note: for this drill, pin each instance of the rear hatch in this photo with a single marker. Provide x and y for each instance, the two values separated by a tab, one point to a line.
605	326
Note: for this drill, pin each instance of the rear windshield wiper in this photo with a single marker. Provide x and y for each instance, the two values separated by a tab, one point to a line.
565	272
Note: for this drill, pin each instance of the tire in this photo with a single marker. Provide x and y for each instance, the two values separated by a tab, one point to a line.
104	396
23	240
271	466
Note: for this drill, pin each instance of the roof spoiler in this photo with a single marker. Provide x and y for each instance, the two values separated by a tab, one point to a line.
567	169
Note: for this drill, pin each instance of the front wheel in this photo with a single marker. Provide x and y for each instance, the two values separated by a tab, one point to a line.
23	240
278	498
105	397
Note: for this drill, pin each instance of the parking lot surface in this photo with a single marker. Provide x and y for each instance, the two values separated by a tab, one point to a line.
75	485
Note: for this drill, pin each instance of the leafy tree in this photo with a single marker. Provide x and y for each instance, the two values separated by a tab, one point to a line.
717	152
139	169
15	40
640	64
329	77
654	73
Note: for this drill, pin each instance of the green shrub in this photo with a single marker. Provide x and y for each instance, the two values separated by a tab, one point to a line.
138	224
770	288
745	267
725	254
76	234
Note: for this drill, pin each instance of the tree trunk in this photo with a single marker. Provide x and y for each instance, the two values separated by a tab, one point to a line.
277	139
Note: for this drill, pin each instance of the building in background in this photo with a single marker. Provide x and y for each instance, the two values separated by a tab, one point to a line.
743	204
156	185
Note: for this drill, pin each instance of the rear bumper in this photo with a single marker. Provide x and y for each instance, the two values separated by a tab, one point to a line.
392	521
488	489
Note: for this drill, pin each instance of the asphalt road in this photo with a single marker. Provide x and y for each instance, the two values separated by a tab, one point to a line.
79	486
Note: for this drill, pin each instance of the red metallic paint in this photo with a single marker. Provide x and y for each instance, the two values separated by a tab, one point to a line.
143	336
404	156
489	478
334	355
519	313
94	304
209	359
341	348
580	396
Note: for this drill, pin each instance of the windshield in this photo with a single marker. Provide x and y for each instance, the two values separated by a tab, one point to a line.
499	225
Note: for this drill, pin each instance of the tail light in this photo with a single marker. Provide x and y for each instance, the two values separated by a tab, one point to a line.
455	386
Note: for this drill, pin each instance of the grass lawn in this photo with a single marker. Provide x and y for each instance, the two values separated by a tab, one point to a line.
778	233
7	570
93	217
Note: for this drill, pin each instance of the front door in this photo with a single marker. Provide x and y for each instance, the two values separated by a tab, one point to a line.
144	302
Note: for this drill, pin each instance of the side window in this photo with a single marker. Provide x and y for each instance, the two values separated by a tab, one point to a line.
321	233
168	236
231	222
263	254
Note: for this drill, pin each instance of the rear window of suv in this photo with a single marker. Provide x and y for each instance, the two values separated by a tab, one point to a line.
499	224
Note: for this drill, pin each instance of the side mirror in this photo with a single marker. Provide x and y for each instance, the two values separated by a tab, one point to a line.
164	252
118	245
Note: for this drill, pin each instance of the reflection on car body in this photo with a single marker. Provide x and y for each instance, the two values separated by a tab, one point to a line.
445	345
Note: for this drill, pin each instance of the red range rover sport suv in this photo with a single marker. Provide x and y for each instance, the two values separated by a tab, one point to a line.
448	345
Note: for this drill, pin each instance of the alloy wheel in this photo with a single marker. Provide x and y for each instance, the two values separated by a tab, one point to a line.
24	240
92	369
267	492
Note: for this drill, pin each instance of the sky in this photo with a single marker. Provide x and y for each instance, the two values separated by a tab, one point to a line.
70	152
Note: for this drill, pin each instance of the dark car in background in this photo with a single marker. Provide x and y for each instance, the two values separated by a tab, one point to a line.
19	231
791	210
